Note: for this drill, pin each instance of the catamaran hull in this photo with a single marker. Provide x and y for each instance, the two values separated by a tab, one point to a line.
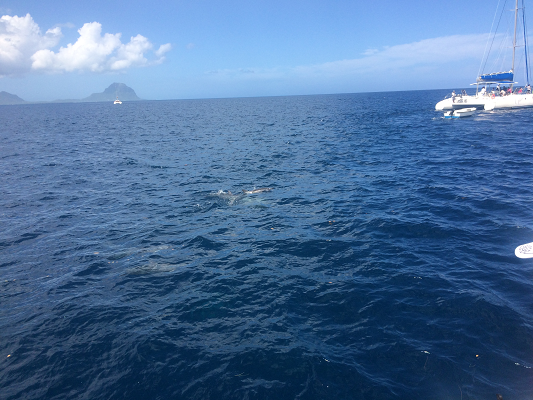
512	101
465	102
487	102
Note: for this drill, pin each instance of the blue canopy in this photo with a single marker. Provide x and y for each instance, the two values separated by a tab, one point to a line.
497	77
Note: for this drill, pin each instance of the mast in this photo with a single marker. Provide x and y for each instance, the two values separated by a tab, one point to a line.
514	40
525	41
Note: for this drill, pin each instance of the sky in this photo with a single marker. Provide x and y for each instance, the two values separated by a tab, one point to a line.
178	49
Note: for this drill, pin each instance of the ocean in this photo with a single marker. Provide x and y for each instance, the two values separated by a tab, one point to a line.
380	265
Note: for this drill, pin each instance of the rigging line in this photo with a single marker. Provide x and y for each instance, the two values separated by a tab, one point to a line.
525	40
514	38
482	66
501	60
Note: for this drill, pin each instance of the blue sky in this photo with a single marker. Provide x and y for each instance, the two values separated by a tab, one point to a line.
204	48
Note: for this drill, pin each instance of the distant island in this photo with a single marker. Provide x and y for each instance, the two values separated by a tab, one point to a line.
8	98
120	90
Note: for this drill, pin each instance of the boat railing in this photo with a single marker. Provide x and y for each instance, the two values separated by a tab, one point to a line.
520	90
457	96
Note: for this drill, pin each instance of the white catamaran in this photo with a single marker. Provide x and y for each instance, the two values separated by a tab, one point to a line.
504	95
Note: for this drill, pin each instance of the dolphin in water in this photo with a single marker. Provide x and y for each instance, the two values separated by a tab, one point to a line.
228	197
231	198
259	190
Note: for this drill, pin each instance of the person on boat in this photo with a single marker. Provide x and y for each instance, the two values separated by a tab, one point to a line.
520	91
483	91
528	89
463	92
453	96
498	88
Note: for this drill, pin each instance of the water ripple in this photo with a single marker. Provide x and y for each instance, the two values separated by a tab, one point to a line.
380	266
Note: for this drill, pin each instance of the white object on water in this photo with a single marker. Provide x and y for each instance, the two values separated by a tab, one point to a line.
260	190
490	106
117	101
524	251
462	112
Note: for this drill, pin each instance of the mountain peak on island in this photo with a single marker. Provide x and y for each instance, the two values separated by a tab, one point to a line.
120	90
8	98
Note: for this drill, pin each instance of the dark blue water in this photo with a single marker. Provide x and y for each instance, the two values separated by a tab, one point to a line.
380	266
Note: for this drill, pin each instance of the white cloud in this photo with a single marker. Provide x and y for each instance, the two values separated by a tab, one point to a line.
369	52
23	48
398	59
90	52
426	60
69	25
20	37
131	53
97	53
164	48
